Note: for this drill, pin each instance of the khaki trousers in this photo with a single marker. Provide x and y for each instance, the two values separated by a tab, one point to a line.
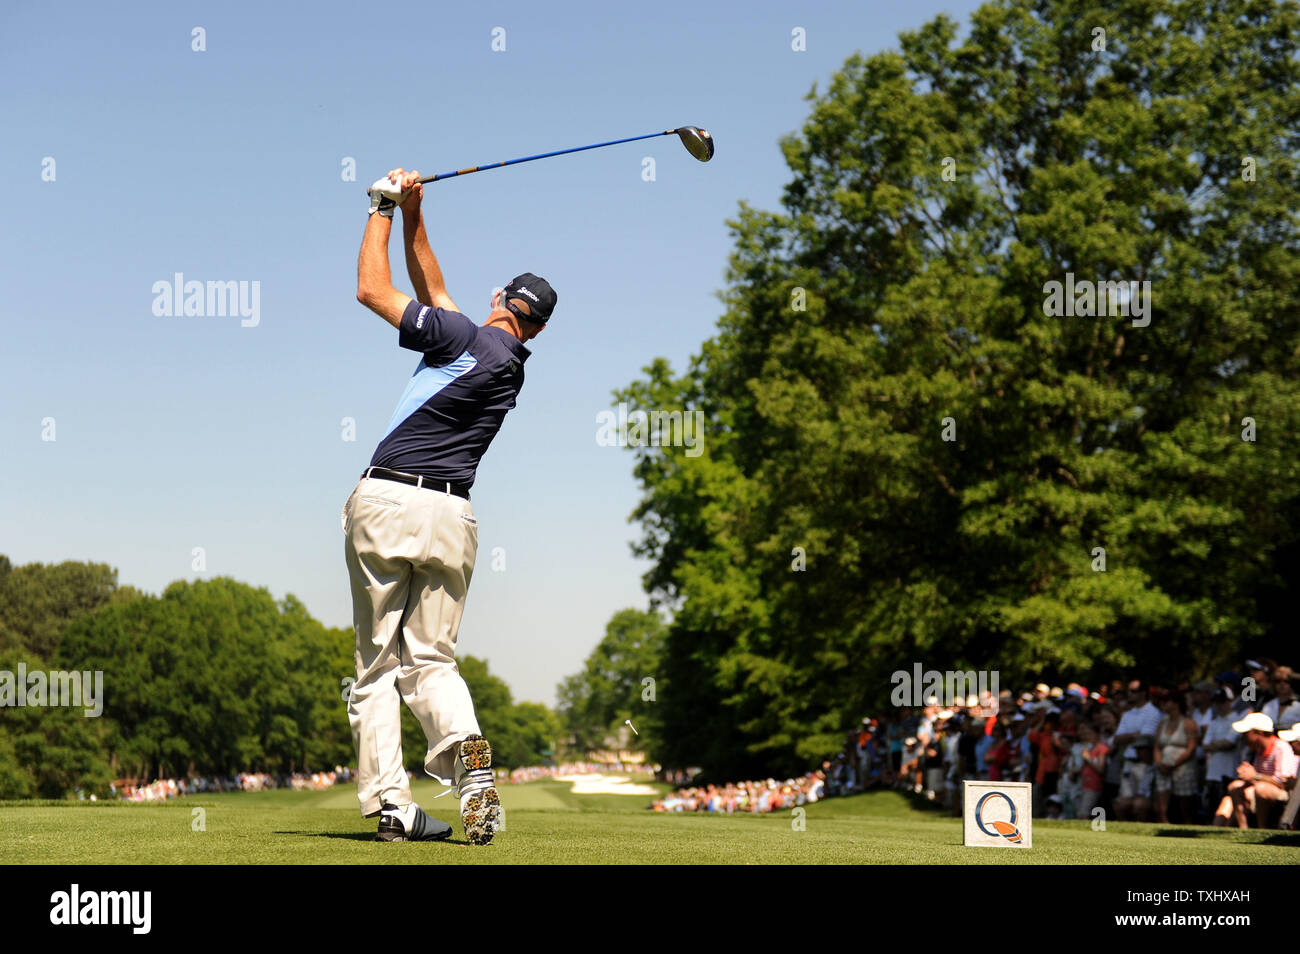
410	554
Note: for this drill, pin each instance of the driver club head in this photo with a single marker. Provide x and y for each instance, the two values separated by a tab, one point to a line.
697	141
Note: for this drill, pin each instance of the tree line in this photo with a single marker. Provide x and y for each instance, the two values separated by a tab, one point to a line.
211	677
911	454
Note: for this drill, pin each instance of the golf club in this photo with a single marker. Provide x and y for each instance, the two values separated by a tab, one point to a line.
697	141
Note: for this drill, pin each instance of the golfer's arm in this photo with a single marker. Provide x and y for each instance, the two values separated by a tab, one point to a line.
422	264
374	279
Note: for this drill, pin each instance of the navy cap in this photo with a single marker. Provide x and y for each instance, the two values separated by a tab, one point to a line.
536	292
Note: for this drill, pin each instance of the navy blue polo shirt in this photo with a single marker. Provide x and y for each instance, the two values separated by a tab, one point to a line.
466	381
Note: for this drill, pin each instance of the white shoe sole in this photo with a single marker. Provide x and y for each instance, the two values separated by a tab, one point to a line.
480	812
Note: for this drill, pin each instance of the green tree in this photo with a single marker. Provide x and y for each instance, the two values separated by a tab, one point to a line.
535	734
838	528
521	733
37	601
610	689
16	779
212	676
215	676
48	751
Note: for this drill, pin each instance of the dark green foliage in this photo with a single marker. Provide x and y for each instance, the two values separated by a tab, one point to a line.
521	733
37	601
925	301
211	677
612	687
215	676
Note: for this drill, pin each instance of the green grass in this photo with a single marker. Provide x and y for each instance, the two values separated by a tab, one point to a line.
547	824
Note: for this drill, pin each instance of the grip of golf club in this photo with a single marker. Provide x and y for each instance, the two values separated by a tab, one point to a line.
448	175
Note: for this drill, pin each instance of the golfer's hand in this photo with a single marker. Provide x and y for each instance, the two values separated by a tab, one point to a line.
1246	772
412	189
385	194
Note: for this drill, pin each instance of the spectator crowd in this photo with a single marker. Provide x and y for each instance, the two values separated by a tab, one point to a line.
162	789
764	796
1220	751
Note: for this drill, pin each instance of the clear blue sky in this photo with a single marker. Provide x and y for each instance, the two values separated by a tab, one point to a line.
176	433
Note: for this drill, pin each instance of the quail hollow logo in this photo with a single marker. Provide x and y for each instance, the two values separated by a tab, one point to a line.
996	814
997	826
102	908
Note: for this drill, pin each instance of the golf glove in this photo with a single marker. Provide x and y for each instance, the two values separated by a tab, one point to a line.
384	197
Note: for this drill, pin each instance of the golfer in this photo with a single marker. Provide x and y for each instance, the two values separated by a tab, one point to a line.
410	533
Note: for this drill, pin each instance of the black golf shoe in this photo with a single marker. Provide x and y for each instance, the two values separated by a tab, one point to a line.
409	824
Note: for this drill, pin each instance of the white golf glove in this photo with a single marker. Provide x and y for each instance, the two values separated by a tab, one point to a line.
385	196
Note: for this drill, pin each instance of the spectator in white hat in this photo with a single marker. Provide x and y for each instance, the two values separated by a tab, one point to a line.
1291	735
1262	786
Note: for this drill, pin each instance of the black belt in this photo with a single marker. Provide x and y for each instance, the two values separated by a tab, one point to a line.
416	480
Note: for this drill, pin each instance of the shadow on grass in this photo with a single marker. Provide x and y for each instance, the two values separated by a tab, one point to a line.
362	836
1208	831
1282	838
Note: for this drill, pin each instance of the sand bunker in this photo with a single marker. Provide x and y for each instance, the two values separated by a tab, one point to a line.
605	785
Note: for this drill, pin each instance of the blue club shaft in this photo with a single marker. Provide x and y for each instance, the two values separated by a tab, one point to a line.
542	155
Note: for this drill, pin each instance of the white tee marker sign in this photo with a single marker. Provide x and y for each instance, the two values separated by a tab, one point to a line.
996	814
